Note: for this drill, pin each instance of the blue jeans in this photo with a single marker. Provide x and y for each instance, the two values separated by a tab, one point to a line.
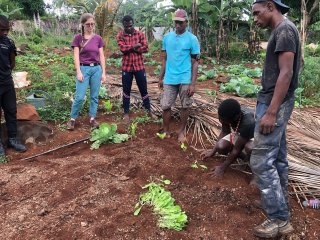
269	162
92	78
141	81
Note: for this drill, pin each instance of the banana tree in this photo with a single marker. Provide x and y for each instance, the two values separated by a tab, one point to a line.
8	13
105	14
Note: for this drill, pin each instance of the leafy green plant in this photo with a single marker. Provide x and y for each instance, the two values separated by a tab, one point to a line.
235	69
161	135
253	73
157	70
152	62
108	106
103	92
196	165
201	68
118	62
169	214
242	86
310	81
4	159
106	133
210	73
183	147
142	119
211	92
202	78
132	130
55	114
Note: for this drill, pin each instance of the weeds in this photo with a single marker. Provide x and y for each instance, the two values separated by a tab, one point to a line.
4	159
107	105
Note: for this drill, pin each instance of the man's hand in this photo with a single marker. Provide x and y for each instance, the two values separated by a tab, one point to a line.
218	171
191	90
267	123
160	83
206	154
136	46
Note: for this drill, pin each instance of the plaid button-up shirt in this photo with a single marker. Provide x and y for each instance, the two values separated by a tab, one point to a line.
132	60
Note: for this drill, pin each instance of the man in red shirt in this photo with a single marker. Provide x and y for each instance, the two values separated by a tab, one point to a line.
133	44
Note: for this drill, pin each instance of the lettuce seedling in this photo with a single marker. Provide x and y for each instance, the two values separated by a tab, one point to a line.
106	133
161	135
108	106
196	165
170	215
183	146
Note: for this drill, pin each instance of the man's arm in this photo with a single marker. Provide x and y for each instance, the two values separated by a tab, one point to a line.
12	60
268	121
143	48
232	156
209	153
163	68
194	72
124	48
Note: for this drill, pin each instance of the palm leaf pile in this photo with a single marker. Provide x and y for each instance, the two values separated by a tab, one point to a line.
303	133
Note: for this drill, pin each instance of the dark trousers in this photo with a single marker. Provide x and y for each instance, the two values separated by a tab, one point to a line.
141	81
8	104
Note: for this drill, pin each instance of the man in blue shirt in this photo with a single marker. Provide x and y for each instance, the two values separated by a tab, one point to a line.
178	75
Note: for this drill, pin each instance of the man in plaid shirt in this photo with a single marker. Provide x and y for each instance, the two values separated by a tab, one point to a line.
133	44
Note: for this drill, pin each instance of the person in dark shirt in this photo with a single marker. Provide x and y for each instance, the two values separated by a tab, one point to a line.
236	134
7	92
275	104
132	43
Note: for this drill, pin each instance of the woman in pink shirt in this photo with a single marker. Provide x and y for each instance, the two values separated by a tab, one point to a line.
90	65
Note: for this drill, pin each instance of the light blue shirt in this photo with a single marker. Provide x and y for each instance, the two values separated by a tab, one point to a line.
179	49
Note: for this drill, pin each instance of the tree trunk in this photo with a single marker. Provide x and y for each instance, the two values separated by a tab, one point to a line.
39	20
219	40
194	18
304	23
35	20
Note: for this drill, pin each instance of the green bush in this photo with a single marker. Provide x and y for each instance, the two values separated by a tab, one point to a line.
310	79
155	46
36	36
237	51
313	52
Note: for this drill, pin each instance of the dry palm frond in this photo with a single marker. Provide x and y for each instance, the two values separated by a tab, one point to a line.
303	133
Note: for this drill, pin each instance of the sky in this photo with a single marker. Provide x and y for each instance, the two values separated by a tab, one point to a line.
164	3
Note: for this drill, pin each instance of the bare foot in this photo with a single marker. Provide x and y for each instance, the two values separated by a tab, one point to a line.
182	137
126	118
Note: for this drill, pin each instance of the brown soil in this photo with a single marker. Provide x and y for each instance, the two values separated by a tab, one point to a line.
77	193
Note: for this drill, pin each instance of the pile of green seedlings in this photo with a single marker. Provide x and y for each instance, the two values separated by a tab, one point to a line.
169	214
